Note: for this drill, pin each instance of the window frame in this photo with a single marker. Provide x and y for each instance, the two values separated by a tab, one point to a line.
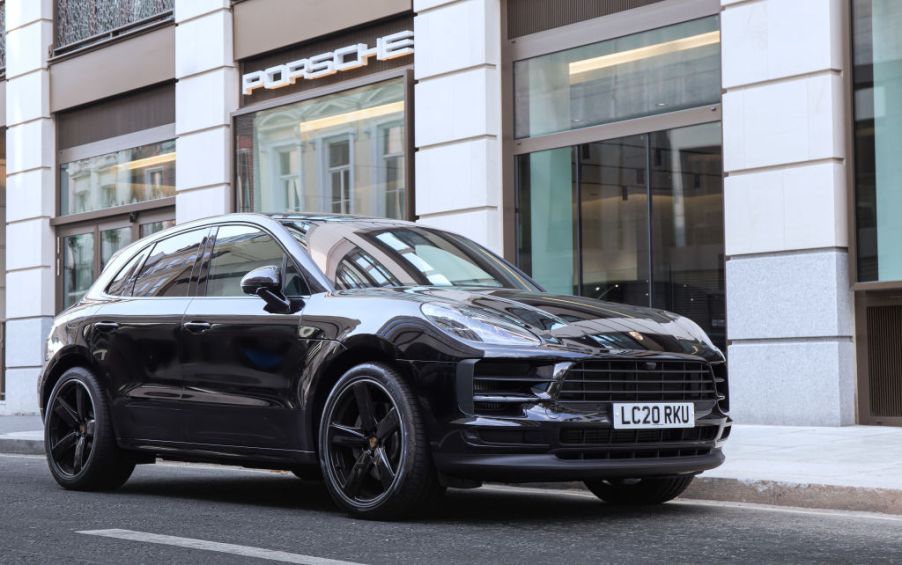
405	73
620	24
134	220
132	140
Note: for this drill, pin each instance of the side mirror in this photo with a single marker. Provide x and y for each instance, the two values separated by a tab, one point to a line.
262	278
266	282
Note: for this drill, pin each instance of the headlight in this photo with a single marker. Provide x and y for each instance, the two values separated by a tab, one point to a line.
472	324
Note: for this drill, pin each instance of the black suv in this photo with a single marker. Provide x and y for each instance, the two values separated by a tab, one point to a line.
392	359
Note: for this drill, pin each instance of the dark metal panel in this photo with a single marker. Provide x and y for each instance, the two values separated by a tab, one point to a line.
265	25
884	330
142	110
531	16
366	35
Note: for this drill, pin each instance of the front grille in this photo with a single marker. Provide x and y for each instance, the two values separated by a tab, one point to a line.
622	380
608	436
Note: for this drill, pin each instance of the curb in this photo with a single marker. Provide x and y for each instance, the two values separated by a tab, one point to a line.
801	495
21	446
774	493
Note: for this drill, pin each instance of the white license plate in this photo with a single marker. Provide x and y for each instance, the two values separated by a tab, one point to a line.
639	415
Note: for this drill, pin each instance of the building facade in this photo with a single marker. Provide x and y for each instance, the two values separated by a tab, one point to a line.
730	160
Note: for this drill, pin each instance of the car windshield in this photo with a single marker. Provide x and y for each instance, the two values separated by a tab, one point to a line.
373	253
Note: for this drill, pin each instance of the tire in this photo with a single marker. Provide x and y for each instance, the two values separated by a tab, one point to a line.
376	460
639	492
78	436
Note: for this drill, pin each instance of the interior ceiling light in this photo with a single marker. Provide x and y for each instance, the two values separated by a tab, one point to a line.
647	52
148	161
351	117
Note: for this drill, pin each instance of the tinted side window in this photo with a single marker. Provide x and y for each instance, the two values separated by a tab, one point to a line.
237	251
124	281
167	270
294	284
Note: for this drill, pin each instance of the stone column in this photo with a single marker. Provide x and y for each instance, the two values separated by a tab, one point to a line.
205	95
789	302
31	190
457	117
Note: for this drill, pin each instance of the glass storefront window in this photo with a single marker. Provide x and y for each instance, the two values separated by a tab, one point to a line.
111	241
117	179
78	266
661	70
877	78
342	153
637	220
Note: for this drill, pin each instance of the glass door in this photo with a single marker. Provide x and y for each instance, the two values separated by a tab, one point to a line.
637	220
84	249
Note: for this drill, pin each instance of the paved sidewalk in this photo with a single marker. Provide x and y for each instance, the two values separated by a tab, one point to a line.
21	434
850	468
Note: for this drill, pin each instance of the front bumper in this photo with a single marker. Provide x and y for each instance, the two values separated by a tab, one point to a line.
545	444
516	468
547	440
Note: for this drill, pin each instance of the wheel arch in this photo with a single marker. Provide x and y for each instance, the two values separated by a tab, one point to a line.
63	361
356	351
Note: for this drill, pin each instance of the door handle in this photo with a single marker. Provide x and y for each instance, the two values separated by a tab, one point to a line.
106	326
197	327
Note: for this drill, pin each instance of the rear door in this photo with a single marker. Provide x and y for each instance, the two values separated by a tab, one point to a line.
136	336
241	364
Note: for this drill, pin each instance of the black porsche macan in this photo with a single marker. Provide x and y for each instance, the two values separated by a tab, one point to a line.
391	359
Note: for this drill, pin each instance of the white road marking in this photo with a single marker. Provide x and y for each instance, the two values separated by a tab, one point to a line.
233	549
716	504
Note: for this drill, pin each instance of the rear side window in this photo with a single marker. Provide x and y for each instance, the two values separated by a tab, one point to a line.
241	249
167	270
125	280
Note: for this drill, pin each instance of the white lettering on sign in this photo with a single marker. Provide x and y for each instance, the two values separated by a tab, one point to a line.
326	64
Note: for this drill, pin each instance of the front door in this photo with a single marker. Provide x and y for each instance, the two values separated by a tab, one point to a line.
135	337
241	364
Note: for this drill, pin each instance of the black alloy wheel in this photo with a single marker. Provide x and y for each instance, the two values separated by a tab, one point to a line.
71	426
373	450
78	436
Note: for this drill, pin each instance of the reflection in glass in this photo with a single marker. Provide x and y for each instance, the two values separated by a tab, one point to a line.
371	255
614	220
343	152
153	227
167	270
116	179
239	250
877	81
593	239
688	226
359	269
547	228
111	241
78	267
661	70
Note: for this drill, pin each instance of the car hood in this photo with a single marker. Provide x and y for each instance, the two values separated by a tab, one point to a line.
579	324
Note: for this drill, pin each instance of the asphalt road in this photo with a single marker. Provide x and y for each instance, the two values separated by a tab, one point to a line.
254	511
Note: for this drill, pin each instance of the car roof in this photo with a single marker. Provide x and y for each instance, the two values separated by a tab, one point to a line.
334	218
